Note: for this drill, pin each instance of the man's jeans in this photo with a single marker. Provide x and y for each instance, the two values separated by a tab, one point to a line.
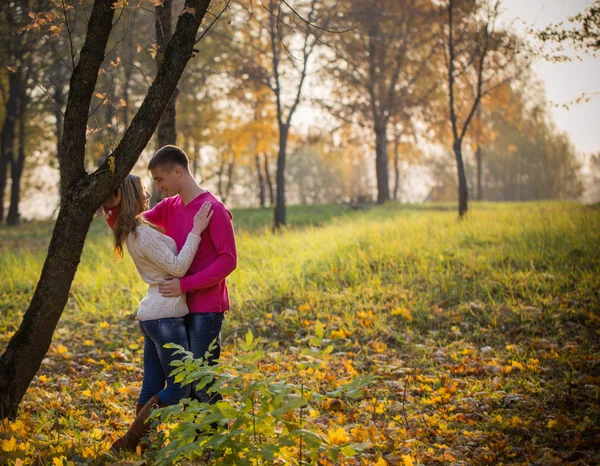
157	360
202	329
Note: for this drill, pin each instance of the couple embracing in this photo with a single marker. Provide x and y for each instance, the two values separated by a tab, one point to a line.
185	265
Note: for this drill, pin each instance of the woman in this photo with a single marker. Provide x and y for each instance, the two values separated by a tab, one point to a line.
160	318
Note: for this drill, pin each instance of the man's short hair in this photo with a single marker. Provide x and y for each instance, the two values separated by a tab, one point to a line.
167	157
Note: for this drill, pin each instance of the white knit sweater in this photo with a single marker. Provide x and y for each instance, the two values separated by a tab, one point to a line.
155	256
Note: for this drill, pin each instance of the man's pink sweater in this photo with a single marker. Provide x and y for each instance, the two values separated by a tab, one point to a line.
204	282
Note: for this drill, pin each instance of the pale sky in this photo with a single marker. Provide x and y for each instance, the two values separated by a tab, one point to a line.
564	81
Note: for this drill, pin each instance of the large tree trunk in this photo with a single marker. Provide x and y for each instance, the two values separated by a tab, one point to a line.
478	157
269	181
280	178
17	163
463	192
28	346
261	182
7	139
82	194
381	164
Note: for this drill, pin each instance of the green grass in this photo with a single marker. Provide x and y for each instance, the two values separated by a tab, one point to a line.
405	289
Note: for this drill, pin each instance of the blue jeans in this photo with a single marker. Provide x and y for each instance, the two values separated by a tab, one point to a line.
202	329
157	360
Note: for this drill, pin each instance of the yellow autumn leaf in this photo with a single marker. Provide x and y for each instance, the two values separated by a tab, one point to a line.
9	445
403	312
337	436
381	462
86	393
407	460
104	325
552	424
61	350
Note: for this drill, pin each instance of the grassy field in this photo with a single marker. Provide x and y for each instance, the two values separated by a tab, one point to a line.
483	335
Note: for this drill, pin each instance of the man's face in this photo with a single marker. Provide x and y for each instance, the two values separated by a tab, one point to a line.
167	180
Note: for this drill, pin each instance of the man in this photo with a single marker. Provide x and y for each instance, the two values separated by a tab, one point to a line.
204	283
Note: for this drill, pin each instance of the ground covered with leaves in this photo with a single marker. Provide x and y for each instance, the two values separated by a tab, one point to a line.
481	336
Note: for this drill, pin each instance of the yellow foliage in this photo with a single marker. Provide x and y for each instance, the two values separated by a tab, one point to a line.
337	436
403	312
9	445
408	460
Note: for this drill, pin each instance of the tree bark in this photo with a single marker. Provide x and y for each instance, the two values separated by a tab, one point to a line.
261	182
381	163
230	172
166	132
396	170
463	192
7	139
478	158
269	181
17	163
82	194
280	208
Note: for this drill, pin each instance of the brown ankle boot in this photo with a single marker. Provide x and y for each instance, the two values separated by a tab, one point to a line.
138	428
138	408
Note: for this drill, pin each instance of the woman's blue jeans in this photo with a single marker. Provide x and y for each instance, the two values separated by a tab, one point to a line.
157	360
203	329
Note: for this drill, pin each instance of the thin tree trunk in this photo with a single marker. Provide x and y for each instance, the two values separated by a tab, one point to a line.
396	170
280	208
220	174
166	131
478	157
261	182
381	164
17	163
463	192
166	128
269	180
7	139
230	172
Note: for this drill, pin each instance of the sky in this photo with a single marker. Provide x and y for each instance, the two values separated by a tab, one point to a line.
564	81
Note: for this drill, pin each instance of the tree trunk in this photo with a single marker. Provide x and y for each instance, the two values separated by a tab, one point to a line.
381	164
166	128
261	182
269	181
27	348
166	131
17	163
478	157
230	173
7	139
396	169
220	174
463	192
280	178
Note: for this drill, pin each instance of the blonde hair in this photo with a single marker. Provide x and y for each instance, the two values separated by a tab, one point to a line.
133	203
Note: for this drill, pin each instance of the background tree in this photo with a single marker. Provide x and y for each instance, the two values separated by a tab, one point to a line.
478	59
380	69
